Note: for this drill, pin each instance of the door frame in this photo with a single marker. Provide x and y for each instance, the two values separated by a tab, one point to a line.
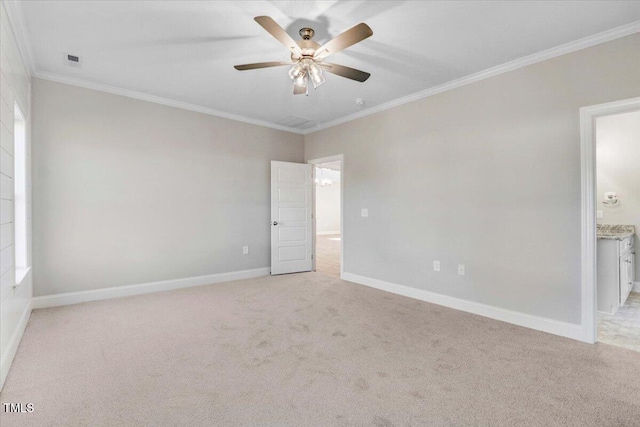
337	157
588	116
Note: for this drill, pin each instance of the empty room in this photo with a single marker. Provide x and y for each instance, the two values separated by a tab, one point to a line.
319	213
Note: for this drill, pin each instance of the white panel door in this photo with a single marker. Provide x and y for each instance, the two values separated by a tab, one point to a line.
291	223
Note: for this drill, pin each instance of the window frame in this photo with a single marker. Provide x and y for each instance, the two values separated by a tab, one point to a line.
20	241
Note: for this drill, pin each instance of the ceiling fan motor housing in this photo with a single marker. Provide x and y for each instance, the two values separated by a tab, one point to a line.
308	47
306	33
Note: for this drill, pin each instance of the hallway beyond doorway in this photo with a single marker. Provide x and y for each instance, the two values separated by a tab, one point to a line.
328	255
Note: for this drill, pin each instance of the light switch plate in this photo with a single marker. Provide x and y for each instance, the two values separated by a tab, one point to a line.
245	250
364	212
436	265
599	214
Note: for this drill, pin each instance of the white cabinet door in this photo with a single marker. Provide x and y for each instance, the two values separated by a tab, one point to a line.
626	284
632	265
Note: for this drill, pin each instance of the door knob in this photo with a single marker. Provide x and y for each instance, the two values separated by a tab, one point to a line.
275	222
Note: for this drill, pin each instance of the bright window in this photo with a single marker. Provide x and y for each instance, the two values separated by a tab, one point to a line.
20	197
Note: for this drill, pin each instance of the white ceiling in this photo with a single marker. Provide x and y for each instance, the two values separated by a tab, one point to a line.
185	50
335	165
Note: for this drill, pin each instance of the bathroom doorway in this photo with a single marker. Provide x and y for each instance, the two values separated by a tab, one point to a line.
617	227
610	155
328	235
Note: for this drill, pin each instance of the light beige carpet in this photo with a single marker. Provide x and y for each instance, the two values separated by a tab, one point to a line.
307	349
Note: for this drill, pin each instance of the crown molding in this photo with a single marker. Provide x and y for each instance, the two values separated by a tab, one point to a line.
544	55
18	26
159	100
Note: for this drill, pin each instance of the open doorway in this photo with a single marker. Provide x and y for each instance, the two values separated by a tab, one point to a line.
327	173
610	154
617	227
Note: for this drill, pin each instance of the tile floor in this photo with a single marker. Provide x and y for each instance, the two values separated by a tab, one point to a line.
328	255
623	328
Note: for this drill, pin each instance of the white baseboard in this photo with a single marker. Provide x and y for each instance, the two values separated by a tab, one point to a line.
326	233
12	348
564	329
144	288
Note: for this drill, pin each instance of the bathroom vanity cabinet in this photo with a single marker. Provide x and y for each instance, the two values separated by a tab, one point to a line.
616	258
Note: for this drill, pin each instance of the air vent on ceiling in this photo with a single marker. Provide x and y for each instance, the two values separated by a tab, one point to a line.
296	122
72	60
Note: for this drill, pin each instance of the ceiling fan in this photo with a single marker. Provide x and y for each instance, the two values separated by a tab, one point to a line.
307	56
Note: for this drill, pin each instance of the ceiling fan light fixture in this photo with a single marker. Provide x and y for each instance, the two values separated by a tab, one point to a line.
306	54
297	71
317	81
315	73
301	80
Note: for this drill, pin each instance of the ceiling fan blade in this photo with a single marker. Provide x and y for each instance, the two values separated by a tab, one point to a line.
279	33
260	65
299	90
342	71
348	38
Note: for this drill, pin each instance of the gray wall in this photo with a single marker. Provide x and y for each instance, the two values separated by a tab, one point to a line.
127	191
487	175
618	162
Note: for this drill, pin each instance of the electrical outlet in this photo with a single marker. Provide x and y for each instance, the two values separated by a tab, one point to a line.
461	270
599	214
436	265
364	213
245	250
